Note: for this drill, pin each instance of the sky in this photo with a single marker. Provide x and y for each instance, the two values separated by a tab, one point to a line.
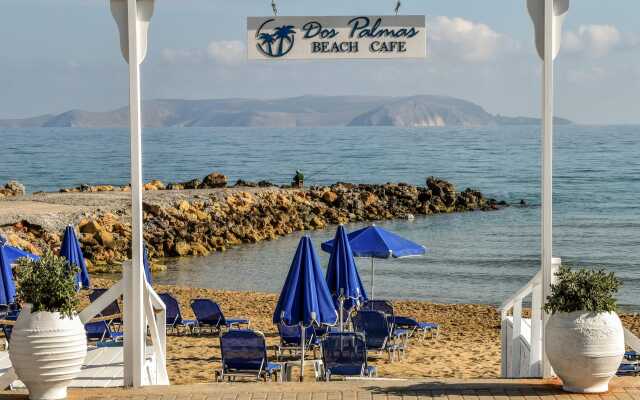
57	55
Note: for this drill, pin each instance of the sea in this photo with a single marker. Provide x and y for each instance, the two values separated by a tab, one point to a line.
479	257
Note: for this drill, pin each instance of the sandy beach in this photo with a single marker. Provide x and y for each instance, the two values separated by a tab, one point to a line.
468	345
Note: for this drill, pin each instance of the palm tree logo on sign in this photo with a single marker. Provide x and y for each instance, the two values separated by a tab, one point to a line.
276	43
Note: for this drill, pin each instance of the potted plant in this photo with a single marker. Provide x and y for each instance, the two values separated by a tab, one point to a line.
48	343
584	335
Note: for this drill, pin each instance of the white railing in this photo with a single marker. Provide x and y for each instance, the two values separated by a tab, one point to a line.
521	338
631	340
155	311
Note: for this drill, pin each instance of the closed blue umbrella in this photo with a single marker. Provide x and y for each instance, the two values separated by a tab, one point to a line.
146	265
376	242
72	251
8	256
7	286
343	278
305	298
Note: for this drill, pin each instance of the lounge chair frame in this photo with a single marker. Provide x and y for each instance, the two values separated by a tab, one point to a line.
263	372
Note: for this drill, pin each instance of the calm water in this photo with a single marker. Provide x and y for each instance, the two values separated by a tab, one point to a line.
476	257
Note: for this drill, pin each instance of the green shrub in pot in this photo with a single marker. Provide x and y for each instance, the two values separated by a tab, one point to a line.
48	333
584	337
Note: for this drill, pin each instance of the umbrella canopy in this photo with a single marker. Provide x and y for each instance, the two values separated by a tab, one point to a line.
14	253
146	265
7	286
72	251
305	298
343	278
377	242
8	256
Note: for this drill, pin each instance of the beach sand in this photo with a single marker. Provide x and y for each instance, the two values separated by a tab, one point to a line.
468	345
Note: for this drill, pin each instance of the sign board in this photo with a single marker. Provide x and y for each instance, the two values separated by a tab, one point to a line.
321	38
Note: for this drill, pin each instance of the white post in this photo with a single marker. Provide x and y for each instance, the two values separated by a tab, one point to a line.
134	317
547	16
535	358
547	168
516	340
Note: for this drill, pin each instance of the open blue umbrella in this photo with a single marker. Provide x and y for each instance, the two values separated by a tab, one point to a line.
14	253
8	256
72	251
343	278
305	299
376	242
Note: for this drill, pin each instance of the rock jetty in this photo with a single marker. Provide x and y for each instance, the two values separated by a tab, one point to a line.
12	189
180	222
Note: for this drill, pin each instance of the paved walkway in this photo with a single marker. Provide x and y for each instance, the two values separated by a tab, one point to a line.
621	389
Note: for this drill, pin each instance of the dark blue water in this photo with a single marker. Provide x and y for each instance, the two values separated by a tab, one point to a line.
477	257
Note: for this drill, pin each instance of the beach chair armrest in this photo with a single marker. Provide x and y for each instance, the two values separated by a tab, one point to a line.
399	333
237	321
272	368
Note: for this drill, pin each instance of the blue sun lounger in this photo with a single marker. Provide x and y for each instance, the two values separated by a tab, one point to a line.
101	332
209	315
174	315
379	333
111	309
401	322
244	355
630	364
291	338
345	354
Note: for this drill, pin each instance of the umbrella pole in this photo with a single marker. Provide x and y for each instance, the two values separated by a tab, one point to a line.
303	334
373	297
341	313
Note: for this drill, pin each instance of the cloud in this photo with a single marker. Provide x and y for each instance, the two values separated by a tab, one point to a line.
228	52
220	52
593	40
467	40
597	41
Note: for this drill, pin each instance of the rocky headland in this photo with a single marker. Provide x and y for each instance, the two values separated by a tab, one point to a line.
206	215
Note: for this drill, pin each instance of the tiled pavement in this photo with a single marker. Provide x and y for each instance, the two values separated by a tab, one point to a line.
621	389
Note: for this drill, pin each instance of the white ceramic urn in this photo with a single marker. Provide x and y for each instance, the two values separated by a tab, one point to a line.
47	352
585	349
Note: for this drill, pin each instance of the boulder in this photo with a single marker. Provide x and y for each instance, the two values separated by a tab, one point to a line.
192	184
329	197
175	186
104	238
184	206
12	189
214	180
89	226
157	184
183	249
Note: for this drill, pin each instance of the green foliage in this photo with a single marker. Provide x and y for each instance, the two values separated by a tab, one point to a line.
48	284
583	290
299	176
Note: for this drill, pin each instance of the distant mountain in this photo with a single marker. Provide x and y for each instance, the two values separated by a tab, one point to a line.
427	111
304	111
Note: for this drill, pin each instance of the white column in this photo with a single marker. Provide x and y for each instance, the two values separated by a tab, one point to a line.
547	168
134	318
